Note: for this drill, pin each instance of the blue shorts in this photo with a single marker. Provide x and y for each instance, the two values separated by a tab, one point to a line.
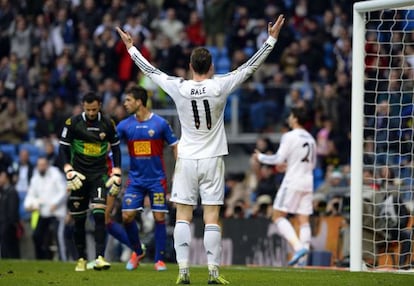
135	194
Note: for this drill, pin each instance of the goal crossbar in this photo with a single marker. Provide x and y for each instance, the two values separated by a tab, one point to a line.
373	5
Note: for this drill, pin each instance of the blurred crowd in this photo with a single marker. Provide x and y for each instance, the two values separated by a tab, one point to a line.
51	52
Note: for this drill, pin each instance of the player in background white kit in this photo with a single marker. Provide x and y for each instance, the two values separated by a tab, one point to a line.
296	153
199	169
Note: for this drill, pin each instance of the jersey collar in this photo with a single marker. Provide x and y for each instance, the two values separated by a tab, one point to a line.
84	116
146	119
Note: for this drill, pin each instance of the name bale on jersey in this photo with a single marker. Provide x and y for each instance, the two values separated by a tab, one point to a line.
198	91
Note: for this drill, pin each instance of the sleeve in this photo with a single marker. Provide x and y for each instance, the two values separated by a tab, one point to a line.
65	142
114	140
229	82
168	83
66	136
30	199
273	159
115	145
279	157
60	187
169	134
120	131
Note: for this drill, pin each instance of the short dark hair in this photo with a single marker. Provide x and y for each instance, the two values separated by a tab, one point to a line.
10	172
300	114
90	97
201	60
139	92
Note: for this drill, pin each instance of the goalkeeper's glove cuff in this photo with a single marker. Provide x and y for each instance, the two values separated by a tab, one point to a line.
74	179
114	183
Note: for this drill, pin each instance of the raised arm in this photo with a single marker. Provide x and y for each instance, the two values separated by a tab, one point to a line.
160	78
233	79
125	37
274	29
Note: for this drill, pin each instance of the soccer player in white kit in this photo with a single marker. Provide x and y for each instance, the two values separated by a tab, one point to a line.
296	153
199	169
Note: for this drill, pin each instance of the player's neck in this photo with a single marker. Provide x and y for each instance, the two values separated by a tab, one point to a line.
143	114
200	77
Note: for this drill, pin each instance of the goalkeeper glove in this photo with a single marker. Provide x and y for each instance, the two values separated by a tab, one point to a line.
114	182
74	179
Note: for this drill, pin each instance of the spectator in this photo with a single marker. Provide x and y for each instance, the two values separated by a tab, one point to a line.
14	124
24	172
195	30
63	81
13	72
384	223
7	16
23	102
169	26
9	216
52	155
292	99
264	145
118	10
289	61
217	17
267	182
236	192
383	128
323	144
333	179
89	15
106	54
48	125
63	32
20	38
6	160
47	194
263	207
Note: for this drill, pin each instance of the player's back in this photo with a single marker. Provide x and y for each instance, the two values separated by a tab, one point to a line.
299	149
200	107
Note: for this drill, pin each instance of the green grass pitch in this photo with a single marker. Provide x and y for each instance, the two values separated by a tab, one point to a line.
28	273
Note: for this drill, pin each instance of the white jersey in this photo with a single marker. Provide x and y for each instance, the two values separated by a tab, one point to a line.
200	105
298	150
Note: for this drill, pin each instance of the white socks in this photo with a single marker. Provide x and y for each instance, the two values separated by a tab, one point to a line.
286	230
305	235
212	244
182	240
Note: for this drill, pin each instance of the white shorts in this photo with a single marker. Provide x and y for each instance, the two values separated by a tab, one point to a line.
293	201
201	177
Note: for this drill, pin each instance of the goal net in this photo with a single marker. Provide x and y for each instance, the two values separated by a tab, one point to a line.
382	150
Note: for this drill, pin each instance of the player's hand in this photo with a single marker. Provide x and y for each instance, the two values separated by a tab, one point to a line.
74	179
274	29
125	37
281	168
255	155
114	182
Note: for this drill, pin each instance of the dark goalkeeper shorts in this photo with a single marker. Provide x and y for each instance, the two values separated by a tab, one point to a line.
92	192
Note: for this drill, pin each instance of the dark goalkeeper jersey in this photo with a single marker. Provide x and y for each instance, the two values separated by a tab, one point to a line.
89	142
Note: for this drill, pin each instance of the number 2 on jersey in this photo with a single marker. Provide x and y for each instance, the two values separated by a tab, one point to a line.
197	115
309	152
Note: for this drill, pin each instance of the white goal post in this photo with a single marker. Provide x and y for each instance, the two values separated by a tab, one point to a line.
360	12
